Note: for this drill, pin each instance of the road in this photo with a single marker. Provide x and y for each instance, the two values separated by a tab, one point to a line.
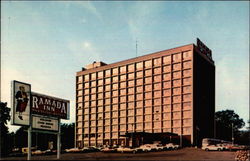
182	154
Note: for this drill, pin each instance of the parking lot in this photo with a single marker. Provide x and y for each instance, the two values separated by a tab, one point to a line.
181	154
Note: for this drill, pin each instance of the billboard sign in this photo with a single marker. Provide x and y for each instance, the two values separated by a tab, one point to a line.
204	49
44	123
20	103
49	106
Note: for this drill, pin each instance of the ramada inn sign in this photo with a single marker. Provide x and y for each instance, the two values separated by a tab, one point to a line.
49	106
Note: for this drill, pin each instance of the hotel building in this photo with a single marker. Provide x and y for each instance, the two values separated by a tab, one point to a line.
147	98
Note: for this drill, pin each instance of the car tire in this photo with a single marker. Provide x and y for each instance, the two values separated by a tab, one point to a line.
219	149
206	149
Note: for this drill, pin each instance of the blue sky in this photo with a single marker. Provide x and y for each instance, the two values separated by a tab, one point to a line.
46	43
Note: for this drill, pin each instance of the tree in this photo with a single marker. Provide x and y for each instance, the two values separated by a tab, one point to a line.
4	117
68	135
228	124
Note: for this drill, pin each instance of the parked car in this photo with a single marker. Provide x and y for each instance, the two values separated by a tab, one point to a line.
73	150
37	152
171	146
213	147
234	147
89	149
126	150
108	150
145	147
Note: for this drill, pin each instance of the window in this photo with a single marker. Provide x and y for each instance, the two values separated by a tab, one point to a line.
187	89
100	74
123	69
148	72
139	96
176	91
131	83
139	89
167	76
187	105
148	64
131	98
148	80
166	92
176	99
148	88
107	94
115	100
123	113
86	77
139	74
148	110
115	71
115	79
148	102
139	104
148	95
157	86
166	100
157	78
187	64
100	89
166	108
107	108
100	82
107	81
157	61
187	54
157	70
186	81
107	88
107	73
187	97
176	57
123	84
123	105
157	101
93	76
131	90
79	79
131	67
167	59
123	99
187	73
123	77
176	74
139	65
115	93
115	86
167	84
176	66
131	76
123	92
139	82
177	83
157	94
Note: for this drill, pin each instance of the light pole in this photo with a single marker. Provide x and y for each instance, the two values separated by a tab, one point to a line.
233	133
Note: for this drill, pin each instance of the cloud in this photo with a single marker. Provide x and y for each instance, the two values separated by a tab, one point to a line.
84	51
90	7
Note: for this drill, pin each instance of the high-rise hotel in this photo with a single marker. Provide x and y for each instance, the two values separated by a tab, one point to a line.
147	98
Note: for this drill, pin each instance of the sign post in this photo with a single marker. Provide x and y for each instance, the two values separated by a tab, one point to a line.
37	111
59	141
29	144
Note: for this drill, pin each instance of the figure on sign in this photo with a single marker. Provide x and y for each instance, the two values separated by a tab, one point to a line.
22	101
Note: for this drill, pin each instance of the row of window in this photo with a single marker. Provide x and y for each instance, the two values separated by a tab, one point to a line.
139	66
106	133
131	81
185	90
131	117
130	122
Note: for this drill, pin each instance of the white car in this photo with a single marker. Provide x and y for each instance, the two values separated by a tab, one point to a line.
171	146
145	147
126	149
73	150
212	147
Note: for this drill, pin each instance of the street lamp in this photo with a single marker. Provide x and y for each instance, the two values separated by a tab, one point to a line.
232	133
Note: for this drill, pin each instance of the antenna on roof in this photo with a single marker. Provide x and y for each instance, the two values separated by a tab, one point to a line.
136	47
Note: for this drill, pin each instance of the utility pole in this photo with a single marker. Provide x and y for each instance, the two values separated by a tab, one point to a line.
233	133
